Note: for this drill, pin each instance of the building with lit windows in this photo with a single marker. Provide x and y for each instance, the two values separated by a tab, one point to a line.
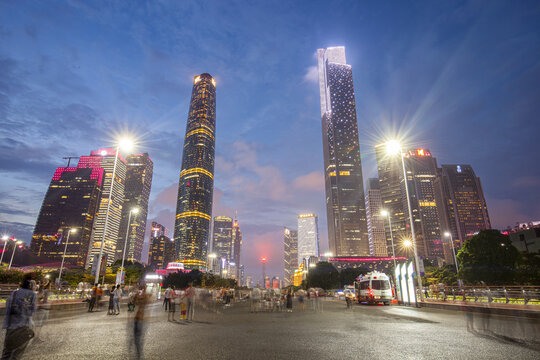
161	252
345	203
290	254
461	202
308	237
375	221
422	173
236	246
222	237
136	194
71	202
110	225
196	182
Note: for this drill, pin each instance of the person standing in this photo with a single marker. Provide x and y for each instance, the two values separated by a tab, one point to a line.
172	304
166	298
111	301
99	293
289	301
117	296
189	295
93	299
20	308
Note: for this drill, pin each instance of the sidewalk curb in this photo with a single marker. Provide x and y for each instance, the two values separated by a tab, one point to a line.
523	313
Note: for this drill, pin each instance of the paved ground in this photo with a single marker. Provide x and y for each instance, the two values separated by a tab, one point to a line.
366	332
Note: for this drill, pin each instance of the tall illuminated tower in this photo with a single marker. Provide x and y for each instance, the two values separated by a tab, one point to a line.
345	206
195	188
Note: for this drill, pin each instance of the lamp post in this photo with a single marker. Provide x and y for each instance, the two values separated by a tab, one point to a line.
132	211
449	234
126	144
64	256
13	253
5	239
393	148
387	214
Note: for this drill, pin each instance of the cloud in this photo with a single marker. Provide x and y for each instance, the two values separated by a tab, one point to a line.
168	196
312	75
526	181
505	212
313	181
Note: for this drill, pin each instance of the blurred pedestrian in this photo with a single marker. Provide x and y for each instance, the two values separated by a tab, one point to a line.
93	299
166	298
190	295
289	301
111	301
301	300
99	295
141	300
117	296
42	313
172	304
20	307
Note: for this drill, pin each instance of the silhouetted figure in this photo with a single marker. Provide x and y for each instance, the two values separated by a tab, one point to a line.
141	301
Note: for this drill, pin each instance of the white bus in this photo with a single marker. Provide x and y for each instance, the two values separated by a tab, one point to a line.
373	288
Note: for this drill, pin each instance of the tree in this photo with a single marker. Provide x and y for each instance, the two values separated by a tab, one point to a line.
528	272
348	276
488	257
436	275
324	275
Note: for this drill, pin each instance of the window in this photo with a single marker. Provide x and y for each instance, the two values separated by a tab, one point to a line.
380	284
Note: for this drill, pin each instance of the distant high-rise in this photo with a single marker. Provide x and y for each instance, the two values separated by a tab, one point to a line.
222	239
157	230
461	202
106	159
308	237
236	246
196	183
71	202
161	252
136	194
345	206
290	254
422	172
375	222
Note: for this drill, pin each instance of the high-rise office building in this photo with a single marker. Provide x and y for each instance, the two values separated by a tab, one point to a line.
157	230
161	252
196	183
222	238
71	202
110	225
136	195
308	237
422	173
375	221
236	246
290	254
461	202
345	204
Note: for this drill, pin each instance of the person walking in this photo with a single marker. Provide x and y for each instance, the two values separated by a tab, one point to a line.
42	313
141	301
20	307
189	295
172	304
117	296
93	299
111	301
289	301
99	295
166	298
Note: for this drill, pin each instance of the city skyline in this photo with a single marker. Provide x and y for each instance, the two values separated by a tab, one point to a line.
269	154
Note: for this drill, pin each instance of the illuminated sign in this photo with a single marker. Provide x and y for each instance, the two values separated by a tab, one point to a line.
197	79
459	169
175	266
306	216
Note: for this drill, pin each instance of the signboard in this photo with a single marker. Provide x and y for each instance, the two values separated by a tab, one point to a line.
405	294
410	283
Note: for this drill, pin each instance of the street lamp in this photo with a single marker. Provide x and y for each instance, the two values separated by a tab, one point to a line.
449	234
407	243
387	215
5	239
394	148
14	248
127	145
132	211
64	256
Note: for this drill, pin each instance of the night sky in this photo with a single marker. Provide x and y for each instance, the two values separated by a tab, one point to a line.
460	78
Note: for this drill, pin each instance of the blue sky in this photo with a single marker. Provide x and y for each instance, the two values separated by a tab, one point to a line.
460	78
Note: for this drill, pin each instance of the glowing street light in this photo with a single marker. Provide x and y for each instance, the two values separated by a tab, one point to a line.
132	211
64	256
14	248
5	239
407	243
394	148
127	145
449	235
386	214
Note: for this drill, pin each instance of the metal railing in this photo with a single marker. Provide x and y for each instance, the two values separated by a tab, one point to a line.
522	295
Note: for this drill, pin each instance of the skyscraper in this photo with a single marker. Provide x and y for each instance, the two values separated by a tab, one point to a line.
461	202
110	225
237	246
196	183
375	222
308	237
136	193
71	202
290	254
222	239
422	171
161	252
345	206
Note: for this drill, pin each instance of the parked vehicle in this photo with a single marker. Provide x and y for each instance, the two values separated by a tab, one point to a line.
373	288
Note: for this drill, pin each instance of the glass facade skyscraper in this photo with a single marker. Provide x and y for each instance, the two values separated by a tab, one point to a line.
222	239
345	206
308	237
375	221
290	254
196	183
